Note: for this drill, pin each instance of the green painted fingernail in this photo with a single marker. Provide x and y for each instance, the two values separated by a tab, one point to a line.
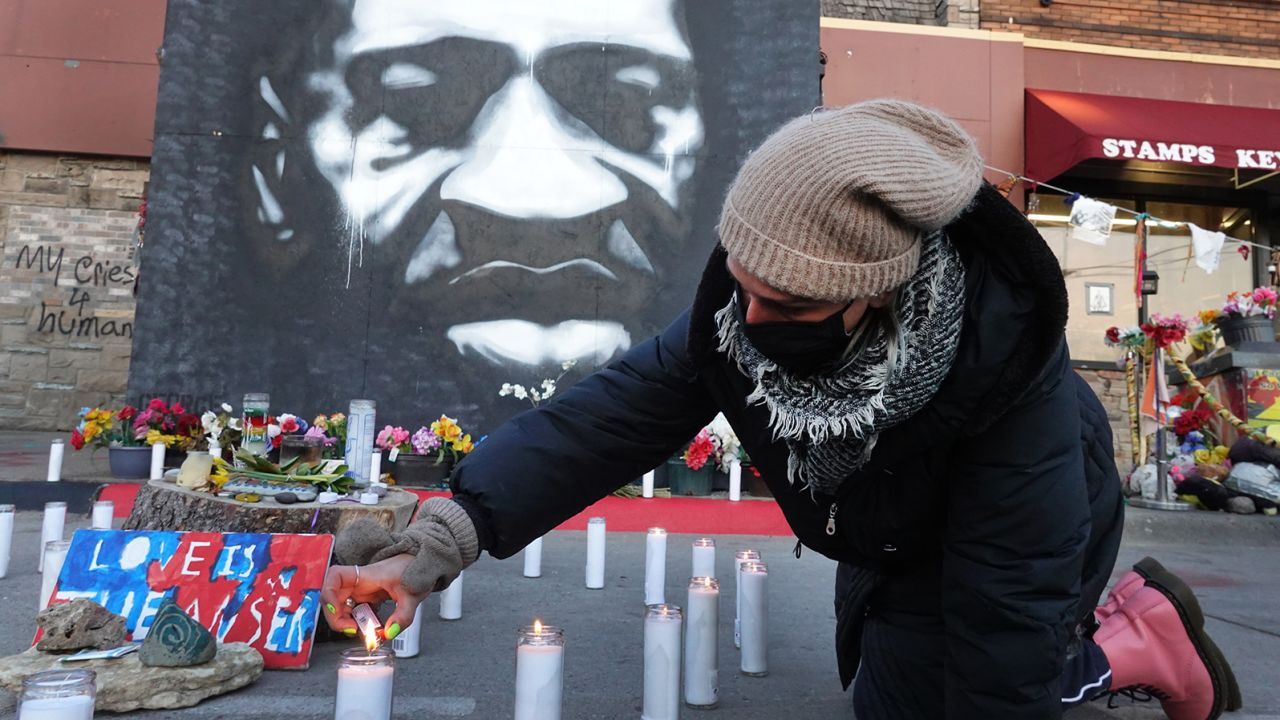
393	631
332	610
349	632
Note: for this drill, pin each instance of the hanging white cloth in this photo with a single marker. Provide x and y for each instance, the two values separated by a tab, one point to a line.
1091	220
1208	247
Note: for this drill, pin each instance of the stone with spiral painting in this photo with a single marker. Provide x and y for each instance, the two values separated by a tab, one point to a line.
176	640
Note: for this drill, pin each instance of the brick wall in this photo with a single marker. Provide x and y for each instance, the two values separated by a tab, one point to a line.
1245	28
66	284
1109	387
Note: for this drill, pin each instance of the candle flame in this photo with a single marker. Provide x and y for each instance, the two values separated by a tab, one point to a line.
370	641
537	627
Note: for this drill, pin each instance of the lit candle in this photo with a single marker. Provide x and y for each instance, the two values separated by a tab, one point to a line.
56	449
55	518
375	466
755	612
368	623
539	672
701	654
595	553
704	557
157	460
739	558
104	511
662	625
533	559
735	481
6	537
365	683
451	600
409	643
646	485
655	567
55	554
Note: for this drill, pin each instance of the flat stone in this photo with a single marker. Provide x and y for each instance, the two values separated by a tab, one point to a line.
285	498
176	640
125	684
77	625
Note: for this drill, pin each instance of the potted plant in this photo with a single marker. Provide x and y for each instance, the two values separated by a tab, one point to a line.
130	459
1247	317
425	458
689	473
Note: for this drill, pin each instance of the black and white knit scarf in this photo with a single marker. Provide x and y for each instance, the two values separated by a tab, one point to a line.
830	421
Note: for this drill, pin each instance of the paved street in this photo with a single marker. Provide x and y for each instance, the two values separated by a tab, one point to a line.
467	666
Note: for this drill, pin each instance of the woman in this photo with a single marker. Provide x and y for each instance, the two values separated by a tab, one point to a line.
885	334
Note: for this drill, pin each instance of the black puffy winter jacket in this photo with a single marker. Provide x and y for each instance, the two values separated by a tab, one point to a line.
1005	480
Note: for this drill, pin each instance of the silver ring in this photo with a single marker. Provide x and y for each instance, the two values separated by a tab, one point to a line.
357	567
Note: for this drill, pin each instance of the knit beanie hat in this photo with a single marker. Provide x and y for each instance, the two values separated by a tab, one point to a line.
832	205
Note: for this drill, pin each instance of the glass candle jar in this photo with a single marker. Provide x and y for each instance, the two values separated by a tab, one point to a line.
539	672
55	554
58	695
254	433
306	449
361	417
662	626
365	683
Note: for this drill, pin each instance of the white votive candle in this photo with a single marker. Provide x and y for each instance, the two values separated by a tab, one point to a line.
366	679
451	600
55	519
327	497
55	554
76	707
735	481
595	553
662	624
368	498
409	642
375	466
6	537
539	672
157	460
755	618
655	566
742	556
646	484
56	450
104	511
533	559
58	695
701	652
704	557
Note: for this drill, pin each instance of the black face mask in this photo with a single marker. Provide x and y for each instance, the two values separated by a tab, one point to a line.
803	348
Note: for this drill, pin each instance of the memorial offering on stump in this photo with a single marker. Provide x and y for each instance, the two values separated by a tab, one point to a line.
79	624
176	640
242	587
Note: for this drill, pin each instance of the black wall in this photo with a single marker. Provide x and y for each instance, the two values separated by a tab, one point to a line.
321	199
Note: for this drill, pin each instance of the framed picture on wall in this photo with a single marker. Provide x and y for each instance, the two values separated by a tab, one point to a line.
1100	298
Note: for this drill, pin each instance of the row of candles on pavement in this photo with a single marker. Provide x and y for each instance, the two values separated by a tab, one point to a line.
365	676
53	546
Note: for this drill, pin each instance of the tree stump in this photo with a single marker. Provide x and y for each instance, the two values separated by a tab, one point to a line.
161	505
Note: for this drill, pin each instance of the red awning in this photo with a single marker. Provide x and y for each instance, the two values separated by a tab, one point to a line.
1065	128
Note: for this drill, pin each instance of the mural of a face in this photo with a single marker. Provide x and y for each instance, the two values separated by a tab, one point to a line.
509	169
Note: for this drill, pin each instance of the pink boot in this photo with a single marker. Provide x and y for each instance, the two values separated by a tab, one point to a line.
1124	587
1152	645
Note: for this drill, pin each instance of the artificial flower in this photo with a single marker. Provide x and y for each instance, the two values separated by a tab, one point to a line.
699	451
289	423
177	409
157	405
424	441
321	422
128	412
77	439
392	437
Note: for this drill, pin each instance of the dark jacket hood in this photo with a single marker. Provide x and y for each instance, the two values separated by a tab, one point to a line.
1015	313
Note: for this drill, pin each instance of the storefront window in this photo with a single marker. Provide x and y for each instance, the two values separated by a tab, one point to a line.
1100	278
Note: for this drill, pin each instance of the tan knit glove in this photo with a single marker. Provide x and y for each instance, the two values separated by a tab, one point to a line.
442	539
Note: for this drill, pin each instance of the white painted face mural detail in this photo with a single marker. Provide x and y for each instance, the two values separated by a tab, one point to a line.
538	131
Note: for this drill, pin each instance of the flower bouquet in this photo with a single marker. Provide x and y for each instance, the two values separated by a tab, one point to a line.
129	458
1246	316
256	467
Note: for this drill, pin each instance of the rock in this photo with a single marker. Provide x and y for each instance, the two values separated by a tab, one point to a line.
176	640
286	498
1241	505
195	472
77	625
125	684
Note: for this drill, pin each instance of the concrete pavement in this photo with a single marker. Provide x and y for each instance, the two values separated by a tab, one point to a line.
466	667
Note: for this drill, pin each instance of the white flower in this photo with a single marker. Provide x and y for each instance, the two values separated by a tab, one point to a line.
533	393
208	420
272	431
506	390
519	392
236	424
548	388
568	364
226	408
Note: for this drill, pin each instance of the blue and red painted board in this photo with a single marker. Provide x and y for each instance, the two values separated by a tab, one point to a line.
255	588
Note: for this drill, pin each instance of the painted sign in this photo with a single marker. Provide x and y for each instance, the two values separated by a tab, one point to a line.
1264	401
1188	153
254	588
